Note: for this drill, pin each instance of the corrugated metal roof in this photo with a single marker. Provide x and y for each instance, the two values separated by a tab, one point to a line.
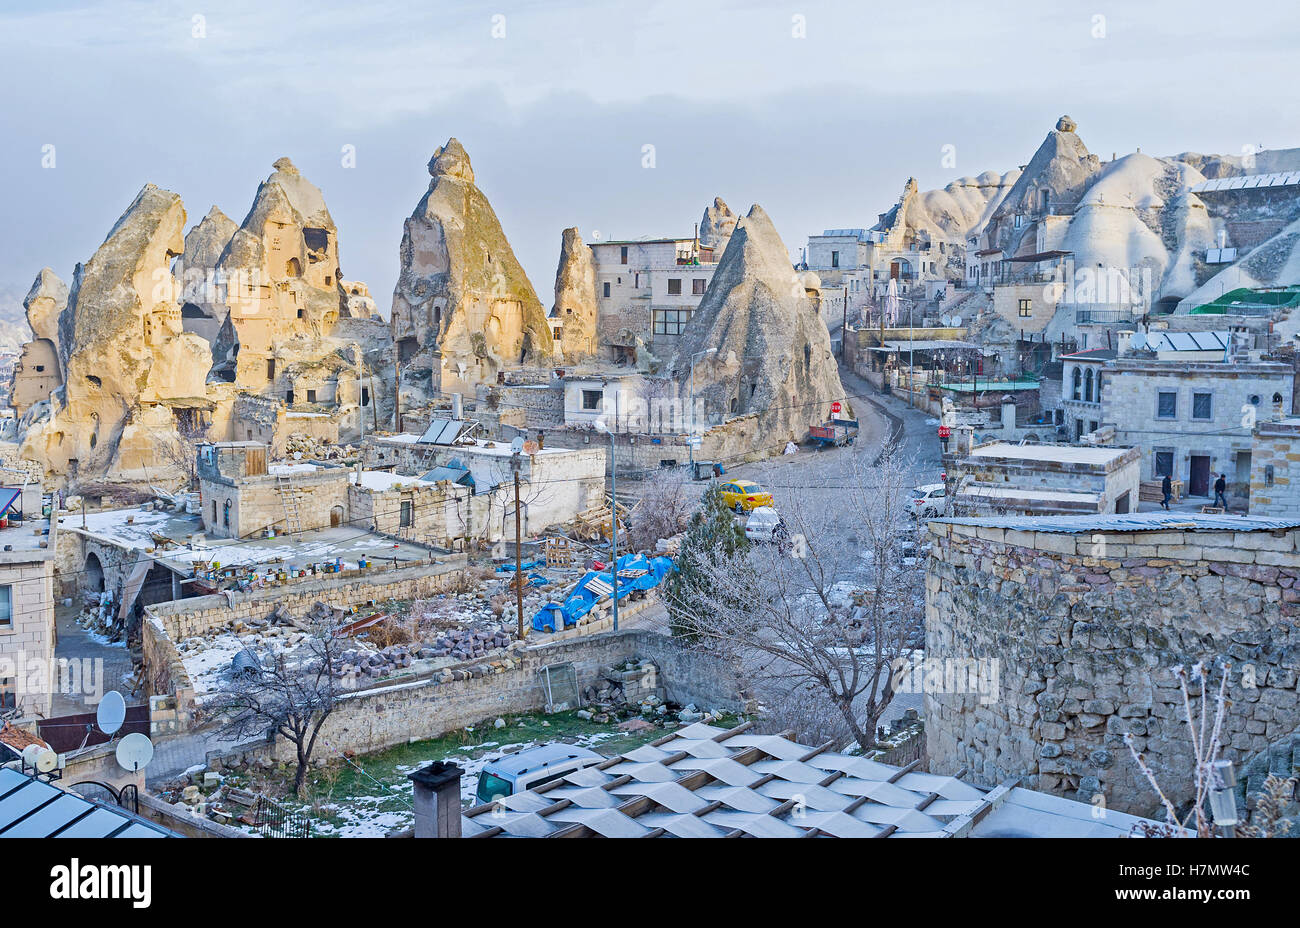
1132	522
733	782
1249	182
32	808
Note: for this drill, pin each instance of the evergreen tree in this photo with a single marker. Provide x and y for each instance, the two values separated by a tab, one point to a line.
714	538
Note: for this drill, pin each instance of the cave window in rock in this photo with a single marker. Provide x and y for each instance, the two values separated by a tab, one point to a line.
293	268
94	573
807	358
406	348
365	396
316	239
270	369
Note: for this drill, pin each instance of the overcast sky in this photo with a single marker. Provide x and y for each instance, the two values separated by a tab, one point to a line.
817	110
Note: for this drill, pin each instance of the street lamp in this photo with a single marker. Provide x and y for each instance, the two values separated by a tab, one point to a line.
613	515
690	440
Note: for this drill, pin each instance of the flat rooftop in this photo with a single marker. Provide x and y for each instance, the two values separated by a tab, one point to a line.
1055	496
348	543
1130	522
26	537
1063	454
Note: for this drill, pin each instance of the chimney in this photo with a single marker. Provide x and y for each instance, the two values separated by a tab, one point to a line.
457	409
437	800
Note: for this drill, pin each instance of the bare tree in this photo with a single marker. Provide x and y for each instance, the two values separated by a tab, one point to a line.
179	448
291	695
665	508
833	611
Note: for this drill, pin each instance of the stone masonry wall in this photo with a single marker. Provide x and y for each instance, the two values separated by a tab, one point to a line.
1089	631
1275	470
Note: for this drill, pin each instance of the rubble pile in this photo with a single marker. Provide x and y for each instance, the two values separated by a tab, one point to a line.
464	644
299	446
356	663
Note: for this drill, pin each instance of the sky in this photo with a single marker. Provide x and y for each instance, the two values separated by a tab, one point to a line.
820	111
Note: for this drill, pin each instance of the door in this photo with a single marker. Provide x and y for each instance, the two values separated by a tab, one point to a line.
1198	483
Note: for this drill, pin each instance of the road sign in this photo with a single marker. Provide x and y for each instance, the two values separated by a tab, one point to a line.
835	408
944	431
694	441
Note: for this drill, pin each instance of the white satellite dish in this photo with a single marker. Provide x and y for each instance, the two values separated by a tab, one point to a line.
134	751
517	446
956	322
945	321
1138	340
111	712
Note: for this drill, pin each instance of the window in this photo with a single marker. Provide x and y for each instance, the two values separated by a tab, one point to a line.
622	255
591	399
607	288
1076	380
1164	464
697	286
270	368
1201	406
556	335
670	321
6	608
1254	399
365	396
311	396
40	368
674	285
1166	405
1026	308
1087	386
1268	475
835	259
408	508
288	397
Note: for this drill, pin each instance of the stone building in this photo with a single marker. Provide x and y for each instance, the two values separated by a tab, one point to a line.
1025	479
1275	469
646	293
1193	419
1081	390
28	674
1082	623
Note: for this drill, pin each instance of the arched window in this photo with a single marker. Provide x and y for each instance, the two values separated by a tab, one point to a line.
1087	386
1077	381
1099	386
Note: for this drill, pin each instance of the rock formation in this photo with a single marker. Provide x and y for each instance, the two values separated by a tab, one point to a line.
716	227
463	308
129	363
759	345
39	371
201	282
575	310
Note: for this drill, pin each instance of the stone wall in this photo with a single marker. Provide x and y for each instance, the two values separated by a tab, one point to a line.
1088	631
378	718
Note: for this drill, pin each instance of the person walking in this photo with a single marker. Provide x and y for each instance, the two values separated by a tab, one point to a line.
1220	489
1167	488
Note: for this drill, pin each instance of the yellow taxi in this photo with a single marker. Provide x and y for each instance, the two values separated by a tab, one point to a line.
745	495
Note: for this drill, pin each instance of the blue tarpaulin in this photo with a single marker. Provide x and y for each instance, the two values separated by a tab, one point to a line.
580	601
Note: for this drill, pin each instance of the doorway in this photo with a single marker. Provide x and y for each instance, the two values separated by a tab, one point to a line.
1198	483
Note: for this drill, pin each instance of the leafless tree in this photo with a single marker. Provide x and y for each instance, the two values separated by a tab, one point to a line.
291	694
832	612
179	448
665	508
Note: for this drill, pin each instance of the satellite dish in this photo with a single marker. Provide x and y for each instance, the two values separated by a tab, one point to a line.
111	712
517	446
956	322
945	320
1138	340
134	751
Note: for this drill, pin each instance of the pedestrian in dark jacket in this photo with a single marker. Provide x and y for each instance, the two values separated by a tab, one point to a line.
1167	488
1220	489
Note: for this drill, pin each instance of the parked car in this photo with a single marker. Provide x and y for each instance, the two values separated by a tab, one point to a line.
929	502
515	773
765	525
745	496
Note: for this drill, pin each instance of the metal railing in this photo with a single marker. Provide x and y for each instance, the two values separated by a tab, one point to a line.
272	820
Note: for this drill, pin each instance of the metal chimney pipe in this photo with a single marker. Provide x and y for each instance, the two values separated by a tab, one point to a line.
437	800
457	406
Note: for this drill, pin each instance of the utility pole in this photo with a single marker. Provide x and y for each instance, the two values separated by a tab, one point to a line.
844	325
613	524
519	566
397	394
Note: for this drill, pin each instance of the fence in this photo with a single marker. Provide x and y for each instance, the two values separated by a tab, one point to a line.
272	820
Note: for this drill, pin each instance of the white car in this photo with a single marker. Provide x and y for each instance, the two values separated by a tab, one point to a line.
929	502
764	524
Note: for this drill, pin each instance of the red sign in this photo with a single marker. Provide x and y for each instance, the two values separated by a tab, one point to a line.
835	408
944	431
